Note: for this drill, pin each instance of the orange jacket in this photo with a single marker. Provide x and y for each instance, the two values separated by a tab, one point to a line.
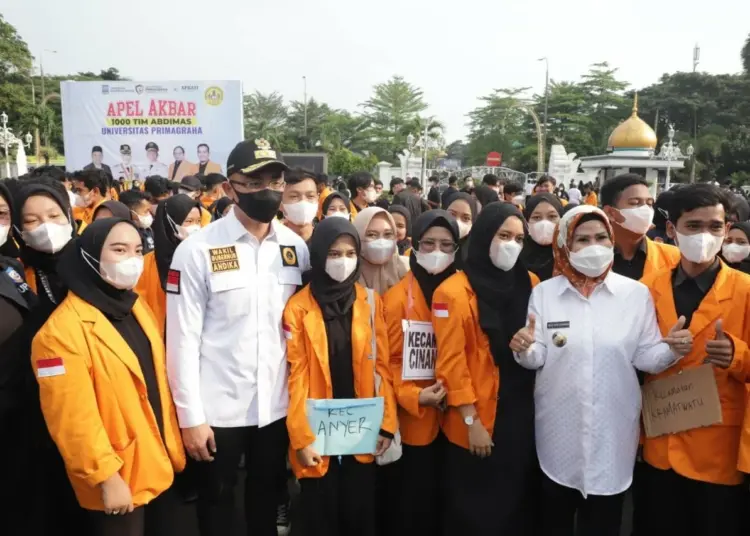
465	363
310	374
707	454
659	257
97	409
591	199
419	425
322	199
149	288
205	217
186	168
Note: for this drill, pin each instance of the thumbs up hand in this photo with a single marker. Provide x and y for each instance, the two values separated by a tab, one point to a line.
720	351
524	337
679	339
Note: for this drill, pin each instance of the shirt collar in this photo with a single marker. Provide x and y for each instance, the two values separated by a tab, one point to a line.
642	248
609	284
237	231
704	280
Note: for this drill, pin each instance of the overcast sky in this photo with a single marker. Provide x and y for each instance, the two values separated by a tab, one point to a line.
455	51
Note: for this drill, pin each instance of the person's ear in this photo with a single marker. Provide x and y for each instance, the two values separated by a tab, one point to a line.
614	215
671	230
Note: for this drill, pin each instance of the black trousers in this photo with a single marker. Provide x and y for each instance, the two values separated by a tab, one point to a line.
567	513
342	502
167	515
388	485
421	487
675	504
639	495
265	452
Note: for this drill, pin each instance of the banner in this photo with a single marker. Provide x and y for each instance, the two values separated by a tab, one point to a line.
144	128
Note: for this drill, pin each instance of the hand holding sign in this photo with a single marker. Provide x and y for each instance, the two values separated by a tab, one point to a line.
308	457
720	350
679	339
382	445
524	337
433	395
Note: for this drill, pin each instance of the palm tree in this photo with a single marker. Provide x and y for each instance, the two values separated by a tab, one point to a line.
745	54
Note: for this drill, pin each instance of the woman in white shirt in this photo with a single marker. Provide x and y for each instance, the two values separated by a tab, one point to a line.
589	330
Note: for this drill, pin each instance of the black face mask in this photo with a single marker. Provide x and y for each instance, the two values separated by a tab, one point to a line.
260	206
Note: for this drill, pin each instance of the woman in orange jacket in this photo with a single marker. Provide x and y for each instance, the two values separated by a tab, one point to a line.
99	361
407	313
329	335
177	217
491	470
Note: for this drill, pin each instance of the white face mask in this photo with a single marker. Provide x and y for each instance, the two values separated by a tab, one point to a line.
371	195
699	248
504	254
80	201
4	234
637	220
338	214
123	275
340	269
735	253
463	229
301	213
378	251
592	261
144	222
48	237
542	232
184	232
435	262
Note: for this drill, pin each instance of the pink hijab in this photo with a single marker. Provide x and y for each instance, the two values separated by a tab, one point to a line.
379	277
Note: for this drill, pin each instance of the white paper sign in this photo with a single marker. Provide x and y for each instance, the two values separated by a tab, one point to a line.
420	351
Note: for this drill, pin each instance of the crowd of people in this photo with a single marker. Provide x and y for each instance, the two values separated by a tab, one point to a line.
159	340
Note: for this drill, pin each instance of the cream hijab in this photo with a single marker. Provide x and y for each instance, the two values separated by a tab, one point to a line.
379	277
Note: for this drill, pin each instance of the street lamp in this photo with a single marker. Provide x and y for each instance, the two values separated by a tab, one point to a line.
27	139
669	152
4	121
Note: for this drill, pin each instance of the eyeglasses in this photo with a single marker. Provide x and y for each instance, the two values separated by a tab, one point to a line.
255	185
446	246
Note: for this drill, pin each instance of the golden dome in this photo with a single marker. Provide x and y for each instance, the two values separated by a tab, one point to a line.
633	133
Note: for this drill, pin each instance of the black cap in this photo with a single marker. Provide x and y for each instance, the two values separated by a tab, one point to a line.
96	149
124	149
191	182
250	156
151	146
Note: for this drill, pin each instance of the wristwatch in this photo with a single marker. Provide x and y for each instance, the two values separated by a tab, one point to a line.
470	419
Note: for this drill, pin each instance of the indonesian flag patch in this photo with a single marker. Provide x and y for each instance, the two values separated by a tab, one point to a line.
440	310
46	368
287	331
173	282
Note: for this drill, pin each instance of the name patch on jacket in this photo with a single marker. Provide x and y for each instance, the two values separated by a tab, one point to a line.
18	281
173	282
46	368
224	259
558	325
289	256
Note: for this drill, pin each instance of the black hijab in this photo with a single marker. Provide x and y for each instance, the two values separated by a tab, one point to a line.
404	244
329	200
485	195
741	207
335	299
536	257
80	273
9	249
166	241
502	297
744	264
463	243
219	206
429	282
118	210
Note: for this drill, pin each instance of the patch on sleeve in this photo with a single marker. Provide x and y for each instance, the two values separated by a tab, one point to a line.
173	282
289	256
440	310
46	368
287	331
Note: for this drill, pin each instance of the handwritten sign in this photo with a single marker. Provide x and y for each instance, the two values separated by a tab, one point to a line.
681	402
345	426
420	350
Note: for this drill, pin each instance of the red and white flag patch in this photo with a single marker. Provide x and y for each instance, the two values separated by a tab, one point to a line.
173	282
46	368
440	310
287	331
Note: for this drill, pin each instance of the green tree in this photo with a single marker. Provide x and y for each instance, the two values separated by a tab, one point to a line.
265	117
344	162
393	106
745	55
317	115
606	104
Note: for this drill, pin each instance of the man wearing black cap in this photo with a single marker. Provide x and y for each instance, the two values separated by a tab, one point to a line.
125	171
97	155
226	349
153	166
193	186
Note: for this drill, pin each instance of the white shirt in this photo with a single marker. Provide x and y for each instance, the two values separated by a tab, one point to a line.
574	195
155	168
588	401
226	351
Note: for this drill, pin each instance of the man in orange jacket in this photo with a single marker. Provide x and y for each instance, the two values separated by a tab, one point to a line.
691	482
